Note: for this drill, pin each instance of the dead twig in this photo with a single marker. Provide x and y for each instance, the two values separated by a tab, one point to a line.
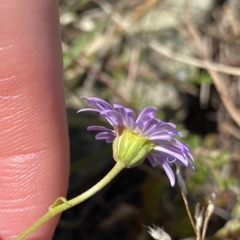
203	52
133	70
126	26
182	186
193	61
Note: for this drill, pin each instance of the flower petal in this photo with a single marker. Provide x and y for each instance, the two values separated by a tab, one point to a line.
152	160
87	109
128	115
172	153
98	103
150	127
108	136
98	128
169	173
161	136
185	149
113	117
146	112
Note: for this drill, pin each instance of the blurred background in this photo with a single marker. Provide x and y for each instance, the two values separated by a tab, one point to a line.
180	56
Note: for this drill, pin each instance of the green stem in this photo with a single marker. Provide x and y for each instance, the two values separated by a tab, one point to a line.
68	204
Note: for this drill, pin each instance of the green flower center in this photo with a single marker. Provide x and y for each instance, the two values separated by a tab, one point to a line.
131	148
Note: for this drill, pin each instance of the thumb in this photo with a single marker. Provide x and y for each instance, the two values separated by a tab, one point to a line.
33	130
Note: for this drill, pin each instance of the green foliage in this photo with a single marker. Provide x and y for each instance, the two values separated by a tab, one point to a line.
77	5
232	227
201	77
81	43
200	175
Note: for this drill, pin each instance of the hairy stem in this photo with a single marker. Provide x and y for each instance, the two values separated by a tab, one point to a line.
64	204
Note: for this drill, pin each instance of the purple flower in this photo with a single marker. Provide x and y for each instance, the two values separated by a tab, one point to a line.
153	135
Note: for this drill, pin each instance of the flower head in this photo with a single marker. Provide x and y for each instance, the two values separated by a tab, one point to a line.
135	138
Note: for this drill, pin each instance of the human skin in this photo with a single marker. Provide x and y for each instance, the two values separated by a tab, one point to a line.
34	154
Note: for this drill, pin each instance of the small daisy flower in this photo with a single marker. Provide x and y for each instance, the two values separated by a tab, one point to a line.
136	137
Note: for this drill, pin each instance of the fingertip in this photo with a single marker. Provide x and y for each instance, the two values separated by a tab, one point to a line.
34	157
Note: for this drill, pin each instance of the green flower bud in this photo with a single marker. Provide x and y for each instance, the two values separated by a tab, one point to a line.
131	148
